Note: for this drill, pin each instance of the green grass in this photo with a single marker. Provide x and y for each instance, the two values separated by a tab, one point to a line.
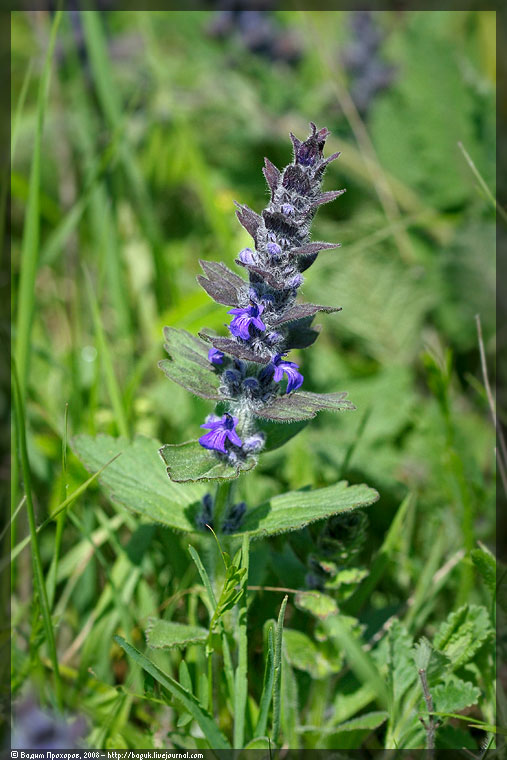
129	146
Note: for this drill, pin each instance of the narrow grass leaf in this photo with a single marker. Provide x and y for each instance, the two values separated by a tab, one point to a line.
241	682
31	229
267	686
36	557
107	363
360	661
214	736
277	683
68	501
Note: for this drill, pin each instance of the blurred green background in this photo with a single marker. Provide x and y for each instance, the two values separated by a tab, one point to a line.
153	123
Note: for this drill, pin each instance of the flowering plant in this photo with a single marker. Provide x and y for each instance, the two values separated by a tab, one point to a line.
248	373
260	404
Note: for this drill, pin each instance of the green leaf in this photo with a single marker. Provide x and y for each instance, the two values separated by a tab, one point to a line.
422	653
426	658
277	678
303	654
316	603
349	577
278	434
197	380
206	723
267	686
232	590
343	632
190	462
454	695
166	634
295	509
400	660
473	722
463	634
189	365
485	563
367	722
137	479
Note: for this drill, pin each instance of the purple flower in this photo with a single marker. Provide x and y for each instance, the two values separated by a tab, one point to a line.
221	429
294	377
243	318
215	356
247	256
274	249
296	281
254	443
287	209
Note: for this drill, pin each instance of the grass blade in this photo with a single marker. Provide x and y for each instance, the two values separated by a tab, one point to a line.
31	229
107	363
19	109
278	670
241	683
208	726
360	661
68	501
36	558
381	561
204	577
107	94
267	687
480	179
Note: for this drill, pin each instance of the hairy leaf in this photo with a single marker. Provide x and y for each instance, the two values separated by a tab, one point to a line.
233	347
301	334
367	722
264	274
316	603
198	381
308	253
295	178
282	225
137	479
400	660
221	284
485	563
331	195
190	462
302	310
248	218
454	695
189	365
272	175
311	248
463	633
295	509
166	634
303	654
303	405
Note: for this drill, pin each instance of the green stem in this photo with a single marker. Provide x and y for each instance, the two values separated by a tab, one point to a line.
241	684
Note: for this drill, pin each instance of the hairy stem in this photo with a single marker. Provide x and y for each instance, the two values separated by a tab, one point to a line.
430	726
